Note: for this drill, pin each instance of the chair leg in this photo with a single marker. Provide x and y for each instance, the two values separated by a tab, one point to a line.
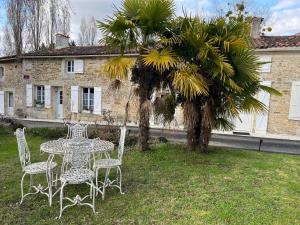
120	179
31	182
61	199
22	190
97	171
105	182
93	193
50	183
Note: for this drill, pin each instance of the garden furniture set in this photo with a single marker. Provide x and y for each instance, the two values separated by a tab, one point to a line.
82	159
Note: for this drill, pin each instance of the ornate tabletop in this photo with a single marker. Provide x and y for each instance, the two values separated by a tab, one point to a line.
57	146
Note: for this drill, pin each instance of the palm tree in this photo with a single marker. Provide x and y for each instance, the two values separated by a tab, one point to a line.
139	25
219	53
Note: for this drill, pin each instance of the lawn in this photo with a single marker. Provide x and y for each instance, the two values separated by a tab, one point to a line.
169	186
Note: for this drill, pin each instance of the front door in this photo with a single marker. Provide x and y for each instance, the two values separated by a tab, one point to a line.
59	109
10	103
243	124
261	121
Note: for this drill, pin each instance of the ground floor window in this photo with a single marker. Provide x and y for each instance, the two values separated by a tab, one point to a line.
40	95
10	99
88	99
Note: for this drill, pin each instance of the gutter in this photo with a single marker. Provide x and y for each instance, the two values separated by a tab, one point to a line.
278	49
67	56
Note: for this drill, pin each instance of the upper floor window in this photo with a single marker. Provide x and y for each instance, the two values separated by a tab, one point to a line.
40	95
70	66
88	99
1	72
74	66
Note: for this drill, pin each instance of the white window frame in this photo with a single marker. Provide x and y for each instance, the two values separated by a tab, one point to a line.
91	101
40	97
3	72
70	68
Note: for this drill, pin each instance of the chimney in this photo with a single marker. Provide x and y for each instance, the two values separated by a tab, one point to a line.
256	26
61	41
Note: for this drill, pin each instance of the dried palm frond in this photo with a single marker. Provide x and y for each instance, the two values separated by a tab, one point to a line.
160	60
118	68
189	82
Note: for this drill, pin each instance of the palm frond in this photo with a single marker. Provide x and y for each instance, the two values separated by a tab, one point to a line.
117	68
163	60
189	82
155	14
223	124
252	105
270	90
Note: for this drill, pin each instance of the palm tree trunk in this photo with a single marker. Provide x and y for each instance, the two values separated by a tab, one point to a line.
193	123
204	137
144	115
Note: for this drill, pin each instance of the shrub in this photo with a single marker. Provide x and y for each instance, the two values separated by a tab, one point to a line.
48	133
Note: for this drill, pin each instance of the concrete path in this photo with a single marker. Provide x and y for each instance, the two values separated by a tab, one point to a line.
221	140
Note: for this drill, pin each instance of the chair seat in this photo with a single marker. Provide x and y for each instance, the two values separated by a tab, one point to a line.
39	167
77	176
107	163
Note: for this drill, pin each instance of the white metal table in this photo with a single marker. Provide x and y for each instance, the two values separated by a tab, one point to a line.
57	147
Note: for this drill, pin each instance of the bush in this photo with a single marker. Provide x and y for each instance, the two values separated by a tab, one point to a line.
48	133
111	133
12	123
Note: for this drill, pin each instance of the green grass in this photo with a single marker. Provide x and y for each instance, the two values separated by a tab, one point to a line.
169	186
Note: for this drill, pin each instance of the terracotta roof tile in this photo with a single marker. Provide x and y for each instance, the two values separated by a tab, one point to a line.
276	41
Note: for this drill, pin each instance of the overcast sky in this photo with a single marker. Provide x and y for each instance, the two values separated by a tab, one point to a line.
281	15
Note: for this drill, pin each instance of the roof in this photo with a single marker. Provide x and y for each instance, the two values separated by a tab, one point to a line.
265	42
76	50
69	51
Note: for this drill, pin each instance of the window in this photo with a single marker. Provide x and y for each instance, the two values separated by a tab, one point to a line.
294	112
267	62
40	95
10	99
88	99
60	97
70	66
1	72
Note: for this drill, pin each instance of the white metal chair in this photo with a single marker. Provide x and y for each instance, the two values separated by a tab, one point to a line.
33	168
109	164
76	169
77	131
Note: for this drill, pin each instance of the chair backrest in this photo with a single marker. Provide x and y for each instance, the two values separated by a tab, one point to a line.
77	155
77	131
121	143
24	153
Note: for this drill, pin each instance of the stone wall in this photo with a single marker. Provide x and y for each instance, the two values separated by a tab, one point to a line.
52	72
285	68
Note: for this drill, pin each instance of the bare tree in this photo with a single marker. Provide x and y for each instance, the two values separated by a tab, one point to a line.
58	19
64	19
7	41
88	32
16	19
35	22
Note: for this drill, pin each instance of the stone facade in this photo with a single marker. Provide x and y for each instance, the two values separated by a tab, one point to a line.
51	71
285	69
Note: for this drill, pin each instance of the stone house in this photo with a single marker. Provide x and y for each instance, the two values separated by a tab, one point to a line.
63	83
66	83
281	55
